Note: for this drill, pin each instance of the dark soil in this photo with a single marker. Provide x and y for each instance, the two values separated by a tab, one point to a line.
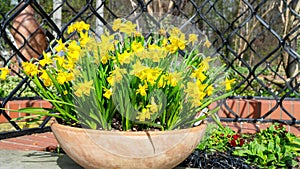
215	160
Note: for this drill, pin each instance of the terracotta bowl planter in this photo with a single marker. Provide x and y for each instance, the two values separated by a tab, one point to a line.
117	149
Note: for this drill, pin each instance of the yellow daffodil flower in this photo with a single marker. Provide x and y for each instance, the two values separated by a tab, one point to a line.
137	68
151	75
73	55
78	26
117	24
46	79
117	75
47	59
73	46
142	90
175	44
71	28
201	86
209	90
83	88
84	38
193	38
144	114
124	57
207	43
4	72
30	68
228	83
70	76
68	65
153	107
110	80
176	32
60	46
82	26
107	93
199	74
136	46
61	77
195	96
174	78
128	28
105	58
60	60
162	82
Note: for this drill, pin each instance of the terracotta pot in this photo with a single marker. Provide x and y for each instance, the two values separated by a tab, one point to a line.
28	35
118	149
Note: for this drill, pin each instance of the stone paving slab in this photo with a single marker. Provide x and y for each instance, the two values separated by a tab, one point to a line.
13	159
35	160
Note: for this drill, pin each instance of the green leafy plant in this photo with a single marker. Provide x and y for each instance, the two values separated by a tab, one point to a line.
221	139
271	148
11	82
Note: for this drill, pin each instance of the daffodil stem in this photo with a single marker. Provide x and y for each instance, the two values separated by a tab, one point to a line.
151	124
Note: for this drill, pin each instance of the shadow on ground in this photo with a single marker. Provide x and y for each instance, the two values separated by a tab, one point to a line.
11	159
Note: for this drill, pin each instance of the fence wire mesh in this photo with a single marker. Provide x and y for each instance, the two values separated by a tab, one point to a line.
257	40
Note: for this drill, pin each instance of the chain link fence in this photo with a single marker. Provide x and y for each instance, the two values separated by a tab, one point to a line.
257	40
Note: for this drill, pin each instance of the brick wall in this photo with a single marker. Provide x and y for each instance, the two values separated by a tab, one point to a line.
253	108
17	104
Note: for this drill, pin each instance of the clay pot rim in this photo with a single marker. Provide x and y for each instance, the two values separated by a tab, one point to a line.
135	133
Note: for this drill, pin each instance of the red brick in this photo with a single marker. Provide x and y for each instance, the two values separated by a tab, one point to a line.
46	135
292	107
41	142
30	142
3	119
254	109
297	109
243	127
249	128
4	145
242	110
17	104
19	140
276	114
45	104
37	138
14	105
224	112
233	125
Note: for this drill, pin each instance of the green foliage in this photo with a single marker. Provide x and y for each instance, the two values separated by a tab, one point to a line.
271	148
221	139
4	7
10	83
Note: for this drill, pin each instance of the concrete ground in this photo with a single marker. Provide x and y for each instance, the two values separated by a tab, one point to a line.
31	152
16	159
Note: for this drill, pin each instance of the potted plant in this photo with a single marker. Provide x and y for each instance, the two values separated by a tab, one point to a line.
139	101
